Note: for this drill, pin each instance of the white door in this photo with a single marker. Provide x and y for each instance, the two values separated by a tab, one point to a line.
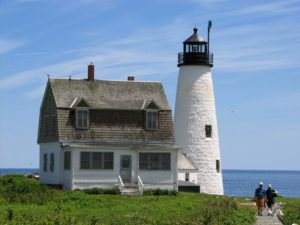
125	168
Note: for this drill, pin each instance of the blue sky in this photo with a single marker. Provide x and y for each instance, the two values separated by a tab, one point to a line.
256	66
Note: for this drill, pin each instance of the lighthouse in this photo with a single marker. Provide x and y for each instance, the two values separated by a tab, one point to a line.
195	121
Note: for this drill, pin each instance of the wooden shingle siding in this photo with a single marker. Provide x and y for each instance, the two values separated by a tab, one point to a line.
48	129
114	125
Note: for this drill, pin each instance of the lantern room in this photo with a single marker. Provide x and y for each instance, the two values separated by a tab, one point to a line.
196	51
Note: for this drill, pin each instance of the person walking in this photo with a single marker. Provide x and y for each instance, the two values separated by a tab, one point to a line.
260	197
270	194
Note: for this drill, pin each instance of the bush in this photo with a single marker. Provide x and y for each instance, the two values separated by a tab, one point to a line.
20	189
100	191
159	192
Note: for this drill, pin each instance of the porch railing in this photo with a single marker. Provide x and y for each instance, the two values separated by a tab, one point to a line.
121	184
140	184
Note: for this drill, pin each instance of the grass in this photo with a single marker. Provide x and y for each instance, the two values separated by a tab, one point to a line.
25	201
291	210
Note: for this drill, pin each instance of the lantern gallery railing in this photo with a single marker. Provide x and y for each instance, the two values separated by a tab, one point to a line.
195	58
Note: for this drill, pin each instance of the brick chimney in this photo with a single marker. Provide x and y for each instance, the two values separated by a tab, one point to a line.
130	78
91	74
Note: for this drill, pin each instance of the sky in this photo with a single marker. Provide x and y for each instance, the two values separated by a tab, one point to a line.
256	66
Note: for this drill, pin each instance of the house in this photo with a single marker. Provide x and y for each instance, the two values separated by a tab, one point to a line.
99	133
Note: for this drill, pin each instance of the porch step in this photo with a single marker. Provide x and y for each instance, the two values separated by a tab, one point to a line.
131	189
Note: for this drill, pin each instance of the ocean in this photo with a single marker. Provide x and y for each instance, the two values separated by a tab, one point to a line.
237	182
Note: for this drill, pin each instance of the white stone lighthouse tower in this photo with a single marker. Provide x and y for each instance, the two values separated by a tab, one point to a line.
195	121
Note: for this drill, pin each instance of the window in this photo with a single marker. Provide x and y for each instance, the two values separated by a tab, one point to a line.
85	160
82	118
195	48
187	177
208	131
108	160
45	160
155	161
67	161
52	162
97	160
218	165
151	120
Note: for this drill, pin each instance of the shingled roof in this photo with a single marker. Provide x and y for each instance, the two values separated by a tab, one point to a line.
103	94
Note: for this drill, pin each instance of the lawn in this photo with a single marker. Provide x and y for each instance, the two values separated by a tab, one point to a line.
25	201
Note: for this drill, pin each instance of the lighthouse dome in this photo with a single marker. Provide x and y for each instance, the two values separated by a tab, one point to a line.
194	38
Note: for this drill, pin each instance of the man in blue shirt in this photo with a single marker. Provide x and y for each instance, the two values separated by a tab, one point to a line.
270	194
259	197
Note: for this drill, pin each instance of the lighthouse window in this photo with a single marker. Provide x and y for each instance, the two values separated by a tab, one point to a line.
218	165
208	131
195	48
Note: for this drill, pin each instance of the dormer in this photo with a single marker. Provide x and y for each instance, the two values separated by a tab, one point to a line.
81	108
151	115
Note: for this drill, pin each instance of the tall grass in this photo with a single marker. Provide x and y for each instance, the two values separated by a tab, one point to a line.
25	201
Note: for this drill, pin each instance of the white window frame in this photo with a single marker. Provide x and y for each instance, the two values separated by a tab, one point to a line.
148	118
94	164
78	111
159	165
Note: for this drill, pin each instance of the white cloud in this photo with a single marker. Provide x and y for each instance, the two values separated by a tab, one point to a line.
9	45
279	7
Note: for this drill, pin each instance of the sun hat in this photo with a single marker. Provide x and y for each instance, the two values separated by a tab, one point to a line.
261	183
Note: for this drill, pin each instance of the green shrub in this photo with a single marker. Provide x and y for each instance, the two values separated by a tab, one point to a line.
18	188
225	211
99	191
159	192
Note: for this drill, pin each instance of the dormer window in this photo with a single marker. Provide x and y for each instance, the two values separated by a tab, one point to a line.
82	118
151	119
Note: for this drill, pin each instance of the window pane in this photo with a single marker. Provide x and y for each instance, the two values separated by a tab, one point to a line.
151	122
45	162
218	166
187	177
154	116
108	160
52	162
154	161
143	161
97	160
165	161
82	118
85	162
67	160
208	131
